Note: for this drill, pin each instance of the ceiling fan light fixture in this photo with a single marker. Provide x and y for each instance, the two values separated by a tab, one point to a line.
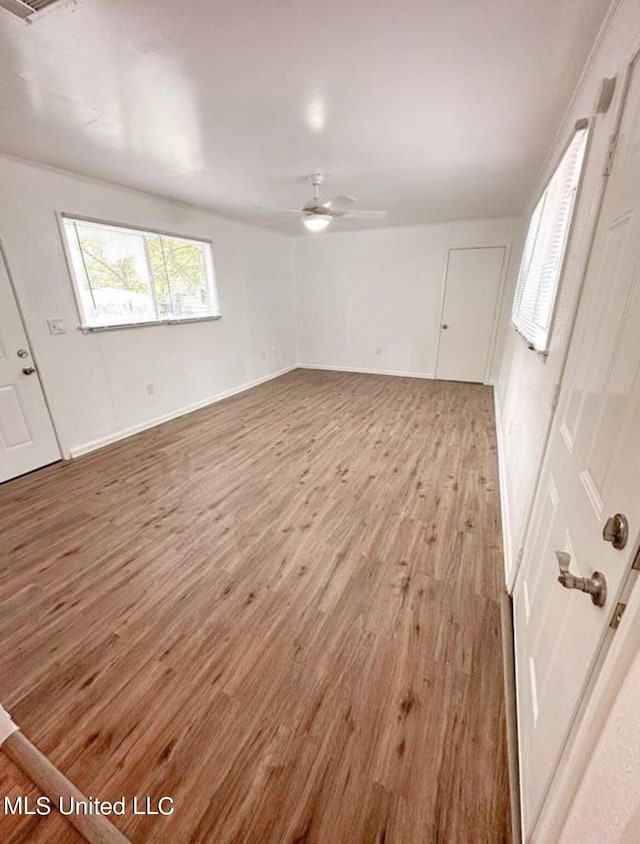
316	222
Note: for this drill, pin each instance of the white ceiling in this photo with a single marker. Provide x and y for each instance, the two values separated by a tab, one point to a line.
433	109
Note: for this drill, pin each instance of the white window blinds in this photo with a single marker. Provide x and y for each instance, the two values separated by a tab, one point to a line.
545	245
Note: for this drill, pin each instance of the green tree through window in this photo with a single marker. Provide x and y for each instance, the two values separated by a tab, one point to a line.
126	276
178	269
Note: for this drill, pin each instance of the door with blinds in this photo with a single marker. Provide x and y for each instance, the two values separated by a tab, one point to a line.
582	548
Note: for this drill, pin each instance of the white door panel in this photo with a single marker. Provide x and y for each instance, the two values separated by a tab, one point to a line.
472	286
591	471
27	438
14	428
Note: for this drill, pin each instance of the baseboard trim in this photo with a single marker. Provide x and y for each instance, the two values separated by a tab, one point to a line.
95	828
508	640
365	371
85	448
511	714
502	491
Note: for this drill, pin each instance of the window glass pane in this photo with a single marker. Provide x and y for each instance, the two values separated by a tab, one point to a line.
112	267
180	275
125	276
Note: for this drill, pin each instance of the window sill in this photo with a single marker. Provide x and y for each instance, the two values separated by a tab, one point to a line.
543	353
90	329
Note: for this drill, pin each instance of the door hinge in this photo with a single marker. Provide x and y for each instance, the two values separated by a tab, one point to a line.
617	615
555	398
611	152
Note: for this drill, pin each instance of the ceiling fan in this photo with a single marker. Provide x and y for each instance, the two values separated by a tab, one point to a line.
317	215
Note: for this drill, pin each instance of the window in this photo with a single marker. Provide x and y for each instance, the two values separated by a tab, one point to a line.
545	246
125	276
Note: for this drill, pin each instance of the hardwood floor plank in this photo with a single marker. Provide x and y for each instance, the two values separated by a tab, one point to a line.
281	610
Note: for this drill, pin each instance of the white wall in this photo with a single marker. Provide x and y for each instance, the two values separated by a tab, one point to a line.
96	382
526	382
360	291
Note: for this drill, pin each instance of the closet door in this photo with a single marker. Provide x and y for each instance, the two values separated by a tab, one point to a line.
470	300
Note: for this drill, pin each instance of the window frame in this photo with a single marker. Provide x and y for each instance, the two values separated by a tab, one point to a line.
64	216
583	124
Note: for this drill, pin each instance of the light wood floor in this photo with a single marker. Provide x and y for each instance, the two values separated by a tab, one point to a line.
281	611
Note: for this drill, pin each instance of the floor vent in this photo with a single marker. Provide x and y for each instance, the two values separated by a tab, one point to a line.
25	8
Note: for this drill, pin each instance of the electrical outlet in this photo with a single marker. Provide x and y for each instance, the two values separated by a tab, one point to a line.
150	389
378	350
57	326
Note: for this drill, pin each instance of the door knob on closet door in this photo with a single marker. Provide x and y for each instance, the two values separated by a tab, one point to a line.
445	326
28	370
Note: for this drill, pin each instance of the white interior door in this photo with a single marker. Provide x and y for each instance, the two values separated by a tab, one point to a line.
27	439
472	286
591	471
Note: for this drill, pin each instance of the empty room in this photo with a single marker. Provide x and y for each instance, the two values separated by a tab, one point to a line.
320	422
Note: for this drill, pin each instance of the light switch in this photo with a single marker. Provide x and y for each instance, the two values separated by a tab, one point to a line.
56	326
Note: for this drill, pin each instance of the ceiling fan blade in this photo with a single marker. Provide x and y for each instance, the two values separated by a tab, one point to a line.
361	215
297	211
342	200
276	222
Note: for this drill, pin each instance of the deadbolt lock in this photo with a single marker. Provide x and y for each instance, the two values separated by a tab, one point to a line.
616	531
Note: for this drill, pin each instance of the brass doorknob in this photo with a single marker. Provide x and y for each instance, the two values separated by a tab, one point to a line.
28	370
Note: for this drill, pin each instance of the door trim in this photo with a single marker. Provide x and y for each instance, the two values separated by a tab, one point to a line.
64	452
493	339
616	655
